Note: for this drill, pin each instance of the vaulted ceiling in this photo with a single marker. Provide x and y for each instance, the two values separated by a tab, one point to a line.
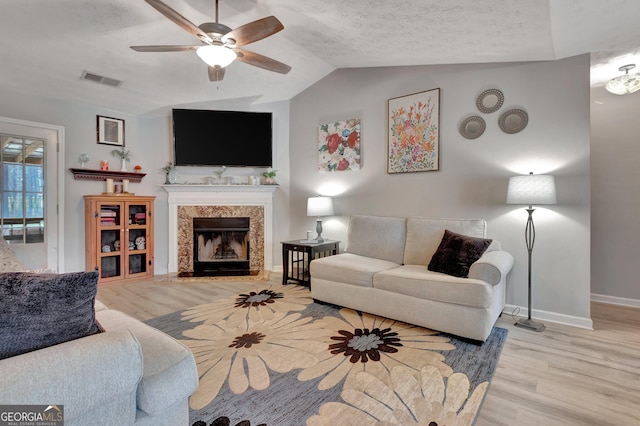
46	45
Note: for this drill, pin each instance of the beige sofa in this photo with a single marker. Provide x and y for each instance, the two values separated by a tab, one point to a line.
129	374
383	271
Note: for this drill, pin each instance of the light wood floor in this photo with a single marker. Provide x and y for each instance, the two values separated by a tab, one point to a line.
562	376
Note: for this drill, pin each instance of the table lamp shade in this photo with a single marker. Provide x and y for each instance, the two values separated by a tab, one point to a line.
319	206
531	189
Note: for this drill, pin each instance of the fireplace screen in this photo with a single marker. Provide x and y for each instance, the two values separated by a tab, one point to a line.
221	246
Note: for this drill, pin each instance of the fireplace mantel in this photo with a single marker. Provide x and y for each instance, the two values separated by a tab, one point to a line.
219	195
180	187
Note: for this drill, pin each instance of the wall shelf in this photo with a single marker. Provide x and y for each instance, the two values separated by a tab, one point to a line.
89	174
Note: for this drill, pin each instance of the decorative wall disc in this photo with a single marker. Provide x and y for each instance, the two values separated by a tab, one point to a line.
490	101
513	120
472	127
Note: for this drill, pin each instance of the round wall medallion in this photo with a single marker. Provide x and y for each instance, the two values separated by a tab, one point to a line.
490	101
513	120
472	127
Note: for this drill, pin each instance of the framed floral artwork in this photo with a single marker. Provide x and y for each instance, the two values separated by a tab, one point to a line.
414	133
339	146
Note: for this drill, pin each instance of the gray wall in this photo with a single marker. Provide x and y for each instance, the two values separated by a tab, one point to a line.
473	175
615	189
149	138
471	183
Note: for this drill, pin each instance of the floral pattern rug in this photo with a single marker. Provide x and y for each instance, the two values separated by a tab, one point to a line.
274	357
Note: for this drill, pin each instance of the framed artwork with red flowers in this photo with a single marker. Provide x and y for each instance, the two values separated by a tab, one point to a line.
414	132
339	146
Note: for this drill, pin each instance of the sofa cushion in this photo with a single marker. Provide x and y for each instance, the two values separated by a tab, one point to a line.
456	253
349	268
377	237
41	310
169	370
417	281
424	236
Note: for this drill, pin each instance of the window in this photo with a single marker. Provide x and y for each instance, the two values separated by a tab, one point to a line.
23	189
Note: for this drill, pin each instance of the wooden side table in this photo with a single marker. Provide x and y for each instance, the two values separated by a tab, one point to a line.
297	255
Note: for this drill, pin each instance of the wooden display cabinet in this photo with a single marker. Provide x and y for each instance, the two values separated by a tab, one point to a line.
119	236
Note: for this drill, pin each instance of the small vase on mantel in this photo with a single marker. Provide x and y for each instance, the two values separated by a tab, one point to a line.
123	167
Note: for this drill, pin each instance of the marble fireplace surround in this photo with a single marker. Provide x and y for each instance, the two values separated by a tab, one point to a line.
189	201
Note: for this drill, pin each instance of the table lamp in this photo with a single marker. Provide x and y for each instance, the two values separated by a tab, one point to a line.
529	190
319	206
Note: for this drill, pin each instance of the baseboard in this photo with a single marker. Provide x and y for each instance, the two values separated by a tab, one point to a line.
613	300
555	317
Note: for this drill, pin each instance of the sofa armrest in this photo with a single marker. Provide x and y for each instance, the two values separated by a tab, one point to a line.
79	374
492	267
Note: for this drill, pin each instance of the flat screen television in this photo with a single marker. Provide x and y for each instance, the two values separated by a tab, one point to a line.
222	138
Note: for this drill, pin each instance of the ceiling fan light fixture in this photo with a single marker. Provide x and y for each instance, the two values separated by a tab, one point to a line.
624	84
215	55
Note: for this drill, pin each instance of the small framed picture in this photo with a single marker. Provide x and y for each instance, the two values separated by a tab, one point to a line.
110	131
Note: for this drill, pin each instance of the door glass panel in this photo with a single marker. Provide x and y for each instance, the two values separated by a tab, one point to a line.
23	200
110	266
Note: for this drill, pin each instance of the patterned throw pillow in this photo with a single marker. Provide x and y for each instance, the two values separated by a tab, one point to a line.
456	253
41	310
8	260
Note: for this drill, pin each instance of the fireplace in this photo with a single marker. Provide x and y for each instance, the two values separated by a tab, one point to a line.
221	246
188	201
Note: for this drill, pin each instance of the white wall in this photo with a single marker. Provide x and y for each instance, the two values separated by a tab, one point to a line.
157	130
615	189
149	138
471	182
473	175
79	122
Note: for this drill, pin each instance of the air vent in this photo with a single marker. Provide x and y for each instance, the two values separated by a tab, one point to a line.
89	76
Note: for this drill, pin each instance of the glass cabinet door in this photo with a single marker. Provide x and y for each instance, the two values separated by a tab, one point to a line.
110	229
137	244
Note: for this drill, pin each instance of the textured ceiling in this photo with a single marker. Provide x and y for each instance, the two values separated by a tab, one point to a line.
46	45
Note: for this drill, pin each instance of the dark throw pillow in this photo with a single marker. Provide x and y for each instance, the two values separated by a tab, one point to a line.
456	253
41	310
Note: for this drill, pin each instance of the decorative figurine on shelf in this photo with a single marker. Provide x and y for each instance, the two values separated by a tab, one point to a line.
124	155
116	245
137	168
140	243
132	245
269	176
104	165
106	248
169	170
84	159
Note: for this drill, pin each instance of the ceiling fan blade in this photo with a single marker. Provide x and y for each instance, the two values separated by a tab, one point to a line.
216	73
180	20
261	61
254	31
163	48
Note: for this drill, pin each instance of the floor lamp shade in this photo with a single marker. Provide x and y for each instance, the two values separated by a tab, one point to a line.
319	206
530	190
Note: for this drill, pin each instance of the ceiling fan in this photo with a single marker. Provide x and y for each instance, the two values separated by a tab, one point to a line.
220	44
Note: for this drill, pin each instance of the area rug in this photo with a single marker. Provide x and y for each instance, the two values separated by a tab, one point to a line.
274	357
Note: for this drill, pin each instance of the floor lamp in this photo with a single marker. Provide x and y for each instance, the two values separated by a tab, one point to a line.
319	206
529	190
